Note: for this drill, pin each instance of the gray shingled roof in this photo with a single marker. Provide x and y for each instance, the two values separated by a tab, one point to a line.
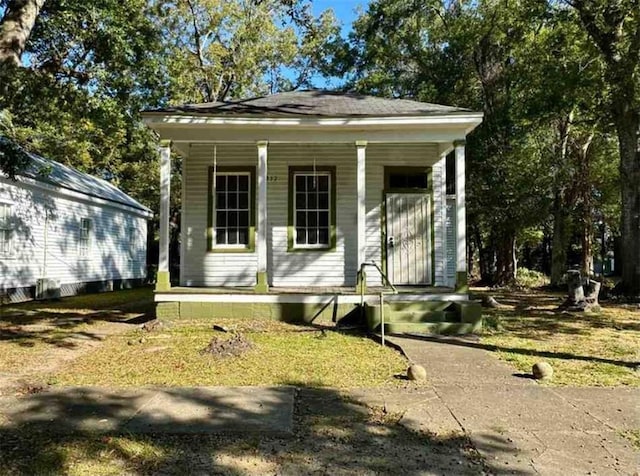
315	103
55	173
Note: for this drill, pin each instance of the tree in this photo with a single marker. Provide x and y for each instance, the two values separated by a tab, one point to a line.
614	27
15	27
242	48
470	54
91	67
535	164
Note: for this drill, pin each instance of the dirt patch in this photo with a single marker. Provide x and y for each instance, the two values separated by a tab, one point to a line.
232	346
153	325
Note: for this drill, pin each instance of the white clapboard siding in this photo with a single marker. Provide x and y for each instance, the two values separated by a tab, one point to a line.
109	251
335	267
199	267
413	155
313	268
451	241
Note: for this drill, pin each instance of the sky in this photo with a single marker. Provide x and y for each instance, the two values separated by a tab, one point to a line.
345	10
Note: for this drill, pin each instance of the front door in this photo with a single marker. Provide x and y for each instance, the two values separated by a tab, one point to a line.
408	239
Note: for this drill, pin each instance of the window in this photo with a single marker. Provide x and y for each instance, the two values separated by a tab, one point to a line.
132	243
451	173
84	240
5	229
312	208
231	225
406	178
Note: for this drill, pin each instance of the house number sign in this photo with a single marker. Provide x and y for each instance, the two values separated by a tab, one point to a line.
272	178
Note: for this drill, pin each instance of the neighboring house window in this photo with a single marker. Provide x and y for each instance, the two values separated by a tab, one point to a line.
312	208
84	240
132	243
5	229
232	219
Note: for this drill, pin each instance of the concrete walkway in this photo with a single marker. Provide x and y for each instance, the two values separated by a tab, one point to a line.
519	426
68	410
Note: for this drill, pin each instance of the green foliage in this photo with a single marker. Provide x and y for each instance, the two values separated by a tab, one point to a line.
532	69
241	49
12	156
529	278
93	66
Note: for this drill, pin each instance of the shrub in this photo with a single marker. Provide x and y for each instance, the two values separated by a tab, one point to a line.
529	278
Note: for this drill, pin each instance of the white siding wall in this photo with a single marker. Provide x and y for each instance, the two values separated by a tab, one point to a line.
301	268
313	268
108	257
200	268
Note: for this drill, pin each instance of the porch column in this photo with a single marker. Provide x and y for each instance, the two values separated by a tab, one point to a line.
443	219
361	152
163	281
262	281
461	222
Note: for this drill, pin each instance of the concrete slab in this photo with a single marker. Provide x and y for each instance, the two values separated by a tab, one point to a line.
514	407
216	410
174	410
457	360
555	452
616	407
421	409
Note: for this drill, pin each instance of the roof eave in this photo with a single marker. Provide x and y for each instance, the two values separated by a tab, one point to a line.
200	119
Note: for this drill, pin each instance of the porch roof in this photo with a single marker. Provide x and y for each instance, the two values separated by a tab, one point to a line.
314	103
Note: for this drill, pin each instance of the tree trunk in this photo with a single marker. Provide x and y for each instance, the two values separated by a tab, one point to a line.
505	264
582	293
559	242
627	123
15	28
560	238
584	191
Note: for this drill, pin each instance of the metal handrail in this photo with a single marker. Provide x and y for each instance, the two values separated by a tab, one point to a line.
382	293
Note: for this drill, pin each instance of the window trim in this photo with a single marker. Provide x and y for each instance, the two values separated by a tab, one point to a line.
132	239
212	247
87	255
291	233
9	219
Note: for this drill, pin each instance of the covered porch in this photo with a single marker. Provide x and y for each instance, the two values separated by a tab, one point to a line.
364	214
282	208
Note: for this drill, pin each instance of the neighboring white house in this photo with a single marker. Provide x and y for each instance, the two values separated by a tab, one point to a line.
63	232
286	197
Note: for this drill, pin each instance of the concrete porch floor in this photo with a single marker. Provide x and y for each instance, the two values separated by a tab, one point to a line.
321	290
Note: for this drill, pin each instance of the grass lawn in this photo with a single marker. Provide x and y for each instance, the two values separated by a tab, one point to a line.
585	349
633	436
282	354
30	333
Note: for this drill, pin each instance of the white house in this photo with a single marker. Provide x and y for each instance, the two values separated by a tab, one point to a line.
64	232
289	199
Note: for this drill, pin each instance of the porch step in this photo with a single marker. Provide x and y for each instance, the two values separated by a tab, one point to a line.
452	317
430	328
